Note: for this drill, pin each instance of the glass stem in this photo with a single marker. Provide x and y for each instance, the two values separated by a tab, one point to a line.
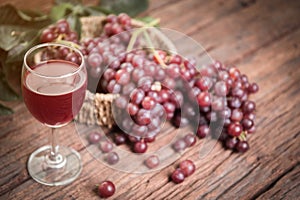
54	159
54	145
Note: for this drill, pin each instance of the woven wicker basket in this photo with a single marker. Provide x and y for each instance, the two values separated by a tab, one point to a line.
97	108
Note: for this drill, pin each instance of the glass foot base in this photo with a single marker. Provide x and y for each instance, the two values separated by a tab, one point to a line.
66	171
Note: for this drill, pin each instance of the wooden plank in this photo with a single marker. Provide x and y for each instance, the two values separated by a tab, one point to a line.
286	187
229	31
188	16
157	5
240	34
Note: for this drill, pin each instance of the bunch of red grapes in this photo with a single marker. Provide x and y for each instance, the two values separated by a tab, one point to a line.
59	31
156	85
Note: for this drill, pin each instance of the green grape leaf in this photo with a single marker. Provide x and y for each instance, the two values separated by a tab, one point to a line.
5	110
97	10
12	35
17	53
147	19
131	7
60	11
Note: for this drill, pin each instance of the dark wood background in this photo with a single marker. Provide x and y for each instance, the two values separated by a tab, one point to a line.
262	38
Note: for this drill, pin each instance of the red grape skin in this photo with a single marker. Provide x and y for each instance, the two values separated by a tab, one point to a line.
203	131
204	84
121	102
106	146
137	74
128	88
137	96
249	106
190	139
139	130
132	109
109	74
106	189
179	145
150	139
140	147
178	176
247	124
47	36
180	121
231	142
94	60
187	167
124	19
94	137
234	73
242	146
63	26
236	115
204	99
111	18
175	59
234	102
143	117
134	139
119	138
169	107
122	76
113	87
173	70
221	88
112	158
148	103
235	129
152	161
251	130
253	88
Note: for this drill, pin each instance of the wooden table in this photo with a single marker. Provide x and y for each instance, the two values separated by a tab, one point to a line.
263	39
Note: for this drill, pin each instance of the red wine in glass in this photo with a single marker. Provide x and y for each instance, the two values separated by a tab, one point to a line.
54	102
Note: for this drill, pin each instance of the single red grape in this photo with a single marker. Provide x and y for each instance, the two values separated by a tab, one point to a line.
106	189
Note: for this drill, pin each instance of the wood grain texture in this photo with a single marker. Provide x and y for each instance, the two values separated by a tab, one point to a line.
263	39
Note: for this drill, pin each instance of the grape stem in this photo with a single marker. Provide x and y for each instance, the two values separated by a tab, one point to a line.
136	33
133	38
59	40
243	137
157	56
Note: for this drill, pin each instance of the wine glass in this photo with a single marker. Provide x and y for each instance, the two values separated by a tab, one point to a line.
54	81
